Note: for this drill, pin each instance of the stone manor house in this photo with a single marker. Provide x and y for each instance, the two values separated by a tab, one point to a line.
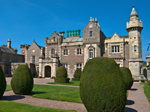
9	55
73	51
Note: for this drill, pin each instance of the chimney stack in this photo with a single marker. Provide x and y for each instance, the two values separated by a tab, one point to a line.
15	50
9	43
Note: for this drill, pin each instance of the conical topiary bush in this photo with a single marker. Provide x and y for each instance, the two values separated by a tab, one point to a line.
22	80
127	77
101	86
77	75
61	75
2	83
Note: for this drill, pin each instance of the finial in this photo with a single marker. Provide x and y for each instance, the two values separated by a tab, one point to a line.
91	18
133	6
34	40
9	39
133	13
95	18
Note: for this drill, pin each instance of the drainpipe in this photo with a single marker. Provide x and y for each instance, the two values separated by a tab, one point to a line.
124	52
60	53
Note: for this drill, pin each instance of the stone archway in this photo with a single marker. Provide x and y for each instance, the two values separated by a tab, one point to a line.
47	71
145	73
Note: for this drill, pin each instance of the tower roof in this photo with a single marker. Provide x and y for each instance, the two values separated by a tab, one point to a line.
133	13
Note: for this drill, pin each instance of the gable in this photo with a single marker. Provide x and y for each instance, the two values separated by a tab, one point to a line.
114	38
90	25
34	46
91	33
54	34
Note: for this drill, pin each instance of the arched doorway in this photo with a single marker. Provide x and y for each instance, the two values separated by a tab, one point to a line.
47	71
145	73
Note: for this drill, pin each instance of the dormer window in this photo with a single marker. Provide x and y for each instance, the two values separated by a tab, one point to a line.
91	33
54	38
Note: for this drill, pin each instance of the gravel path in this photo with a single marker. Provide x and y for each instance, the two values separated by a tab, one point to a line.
137	101
9	95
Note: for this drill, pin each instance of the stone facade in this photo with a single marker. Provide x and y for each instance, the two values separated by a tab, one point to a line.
32	53
15	65
134	27
9	55
147	68
73	51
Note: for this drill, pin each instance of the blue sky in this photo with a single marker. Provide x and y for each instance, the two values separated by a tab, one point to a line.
25	20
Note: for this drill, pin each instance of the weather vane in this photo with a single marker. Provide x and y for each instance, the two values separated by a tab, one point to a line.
148	46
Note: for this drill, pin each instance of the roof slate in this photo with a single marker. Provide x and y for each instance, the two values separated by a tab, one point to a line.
73	40
7	50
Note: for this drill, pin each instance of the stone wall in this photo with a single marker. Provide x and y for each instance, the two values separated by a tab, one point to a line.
14	66
33	50
72	59
95	38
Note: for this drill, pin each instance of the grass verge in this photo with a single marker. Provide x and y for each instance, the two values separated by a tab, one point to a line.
71	83
146	90
61	93
8	106
8	88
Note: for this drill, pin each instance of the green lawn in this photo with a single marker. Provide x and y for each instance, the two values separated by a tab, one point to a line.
63	93
8	88
8	106
72	83
146	90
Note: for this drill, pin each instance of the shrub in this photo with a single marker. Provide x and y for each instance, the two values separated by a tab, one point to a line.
127	77
148	82
75	79
62	80
35	75
61	75
101	86
2	83
61	72
77	75
22	80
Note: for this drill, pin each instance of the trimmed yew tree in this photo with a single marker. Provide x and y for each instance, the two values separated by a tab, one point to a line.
77	75
2	83
22	80
101	86
61	75
127	77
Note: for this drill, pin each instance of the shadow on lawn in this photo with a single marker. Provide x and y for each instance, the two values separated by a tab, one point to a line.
71	83
12	97
127	109
129	102
36	92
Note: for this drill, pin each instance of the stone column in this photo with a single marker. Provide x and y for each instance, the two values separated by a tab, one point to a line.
148	72
40	67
